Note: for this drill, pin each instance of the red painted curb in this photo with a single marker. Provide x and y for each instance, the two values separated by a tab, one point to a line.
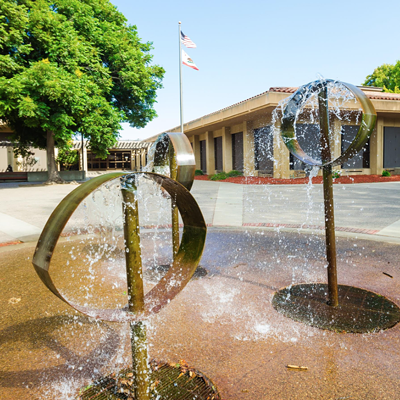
10	243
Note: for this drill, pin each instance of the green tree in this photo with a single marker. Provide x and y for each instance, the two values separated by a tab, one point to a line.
26	158
69	66
67	157
387	76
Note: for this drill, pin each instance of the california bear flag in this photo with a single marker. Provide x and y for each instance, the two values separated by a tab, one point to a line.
186	60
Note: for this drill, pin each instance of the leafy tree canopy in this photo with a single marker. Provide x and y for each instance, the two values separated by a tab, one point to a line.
68	157
69	66
386	76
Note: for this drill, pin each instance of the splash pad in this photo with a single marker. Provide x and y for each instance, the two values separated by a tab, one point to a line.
318	304
224	322
167	381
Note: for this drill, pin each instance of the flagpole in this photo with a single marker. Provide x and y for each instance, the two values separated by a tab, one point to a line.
180	75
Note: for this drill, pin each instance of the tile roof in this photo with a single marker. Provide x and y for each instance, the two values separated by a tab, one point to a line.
374	93
382	95
283	89
371	94
122	144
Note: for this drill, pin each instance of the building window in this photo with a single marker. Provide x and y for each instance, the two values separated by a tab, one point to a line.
308	137
95	163
391	147
264	149
218	153
237	151
361	159
115	160
203	156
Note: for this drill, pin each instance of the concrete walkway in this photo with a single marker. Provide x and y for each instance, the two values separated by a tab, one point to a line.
229	205
224	322
369	211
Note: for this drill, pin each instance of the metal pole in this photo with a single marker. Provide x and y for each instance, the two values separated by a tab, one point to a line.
174	209
172	159
328	198
82	159
180	76
135	290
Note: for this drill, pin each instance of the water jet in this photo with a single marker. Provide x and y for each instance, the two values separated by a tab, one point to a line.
164	380
318	304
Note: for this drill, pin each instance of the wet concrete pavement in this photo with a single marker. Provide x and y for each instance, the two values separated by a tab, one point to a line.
223	323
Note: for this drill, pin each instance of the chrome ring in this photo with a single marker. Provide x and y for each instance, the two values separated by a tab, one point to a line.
183	152
299	98
181	271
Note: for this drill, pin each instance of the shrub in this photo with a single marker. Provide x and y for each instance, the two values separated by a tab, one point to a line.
234	173
198	172
219	177
385	173
68	158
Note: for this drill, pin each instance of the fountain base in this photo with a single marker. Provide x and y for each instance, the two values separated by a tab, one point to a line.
359	310
167	382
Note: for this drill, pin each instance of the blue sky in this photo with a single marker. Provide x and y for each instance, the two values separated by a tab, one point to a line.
246	47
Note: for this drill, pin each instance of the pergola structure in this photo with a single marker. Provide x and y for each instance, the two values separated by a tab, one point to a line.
128	155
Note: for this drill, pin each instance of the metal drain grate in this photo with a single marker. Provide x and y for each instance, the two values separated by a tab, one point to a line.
155	273
359	310
167	382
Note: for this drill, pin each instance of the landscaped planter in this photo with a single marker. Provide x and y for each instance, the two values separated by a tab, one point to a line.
42	176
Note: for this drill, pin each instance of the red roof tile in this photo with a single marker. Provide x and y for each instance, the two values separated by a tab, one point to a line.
283	89
370	94
382	95
288	89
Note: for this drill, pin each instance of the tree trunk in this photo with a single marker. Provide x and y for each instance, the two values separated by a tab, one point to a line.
53	175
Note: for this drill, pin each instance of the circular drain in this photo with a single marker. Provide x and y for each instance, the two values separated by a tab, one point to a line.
359	310
167	382
156	272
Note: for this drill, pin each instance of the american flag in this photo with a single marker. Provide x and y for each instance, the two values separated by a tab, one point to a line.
187	41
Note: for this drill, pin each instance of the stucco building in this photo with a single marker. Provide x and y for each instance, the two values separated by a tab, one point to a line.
130	155
241	137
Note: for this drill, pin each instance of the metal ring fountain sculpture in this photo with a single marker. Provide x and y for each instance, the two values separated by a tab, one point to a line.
173	150
358	310
140	306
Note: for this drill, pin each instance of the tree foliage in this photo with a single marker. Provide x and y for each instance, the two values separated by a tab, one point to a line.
25	157
386	76
68	157
69	66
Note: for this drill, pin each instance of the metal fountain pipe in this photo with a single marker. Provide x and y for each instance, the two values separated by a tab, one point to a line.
173	168
326	156
135	288
288	134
